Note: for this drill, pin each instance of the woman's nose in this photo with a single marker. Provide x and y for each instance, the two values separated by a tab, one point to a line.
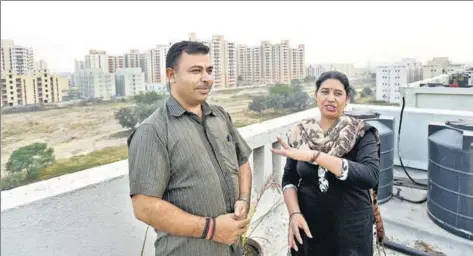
330	97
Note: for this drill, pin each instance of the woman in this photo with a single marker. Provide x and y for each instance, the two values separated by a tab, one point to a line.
331	176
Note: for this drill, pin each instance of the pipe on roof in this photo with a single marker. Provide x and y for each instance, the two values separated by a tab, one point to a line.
407	250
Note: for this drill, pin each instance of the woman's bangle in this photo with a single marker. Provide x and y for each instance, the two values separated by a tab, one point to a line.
290	216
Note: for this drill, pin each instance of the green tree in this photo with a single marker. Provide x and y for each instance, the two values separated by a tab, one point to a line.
280	90
277	102
129	117
299	100
309	79
258	104
352	94
126	118
148	97
367	91
32	159
143	111
295	81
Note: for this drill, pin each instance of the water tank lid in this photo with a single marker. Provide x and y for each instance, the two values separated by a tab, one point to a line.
360	114
464	124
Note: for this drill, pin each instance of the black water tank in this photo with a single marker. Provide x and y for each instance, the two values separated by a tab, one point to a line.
450	174
385	127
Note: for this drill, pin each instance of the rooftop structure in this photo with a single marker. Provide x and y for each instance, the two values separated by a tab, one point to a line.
90	213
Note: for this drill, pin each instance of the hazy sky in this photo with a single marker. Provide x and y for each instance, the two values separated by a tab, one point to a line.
350	32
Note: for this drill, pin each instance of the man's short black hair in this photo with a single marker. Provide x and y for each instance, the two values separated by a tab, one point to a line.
190	47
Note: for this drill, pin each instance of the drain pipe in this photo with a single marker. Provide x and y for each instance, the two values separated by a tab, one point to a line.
407	250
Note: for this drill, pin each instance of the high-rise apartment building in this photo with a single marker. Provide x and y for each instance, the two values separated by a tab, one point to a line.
270	63
346	68
267	62
156	64
40	65
230	65
223	55
115	62
36	87
282	63
135	59
16	59
97	60
217	54
132	59
298	62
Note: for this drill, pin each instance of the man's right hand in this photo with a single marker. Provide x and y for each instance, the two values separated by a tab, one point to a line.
228	230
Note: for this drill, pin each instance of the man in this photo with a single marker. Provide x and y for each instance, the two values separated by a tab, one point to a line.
188	166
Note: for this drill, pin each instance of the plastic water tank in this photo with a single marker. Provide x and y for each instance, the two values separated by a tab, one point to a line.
450	174
385	127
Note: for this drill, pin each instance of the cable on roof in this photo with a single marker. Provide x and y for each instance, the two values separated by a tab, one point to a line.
398	149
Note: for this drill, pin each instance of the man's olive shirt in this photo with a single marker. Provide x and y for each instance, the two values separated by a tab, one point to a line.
190	162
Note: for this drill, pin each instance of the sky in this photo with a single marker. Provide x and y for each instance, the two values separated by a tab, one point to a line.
333	32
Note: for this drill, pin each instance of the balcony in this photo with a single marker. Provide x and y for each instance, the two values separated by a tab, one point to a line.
89	212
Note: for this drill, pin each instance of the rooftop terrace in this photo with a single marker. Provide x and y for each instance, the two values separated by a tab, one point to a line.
89	212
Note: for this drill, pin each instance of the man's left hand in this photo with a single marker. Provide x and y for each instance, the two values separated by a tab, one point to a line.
241	209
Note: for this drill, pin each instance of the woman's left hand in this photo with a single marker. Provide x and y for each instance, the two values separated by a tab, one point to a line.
296	154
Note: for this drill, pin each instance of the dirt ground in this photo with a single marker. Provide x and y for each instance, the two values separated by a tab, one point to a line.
80	130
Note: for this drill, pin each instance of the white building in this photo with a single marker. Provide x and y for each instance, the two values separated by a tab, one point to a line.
346	68
388	80
40	65
160	88
391	76
440	65
16	59
129	81
97	60
95	83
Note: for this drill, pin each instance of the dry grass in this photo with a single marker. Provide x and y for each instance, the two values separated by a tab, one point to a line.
70	131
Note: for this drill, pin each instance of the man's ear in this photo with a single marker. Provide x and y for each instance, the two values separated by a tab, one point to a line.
170	75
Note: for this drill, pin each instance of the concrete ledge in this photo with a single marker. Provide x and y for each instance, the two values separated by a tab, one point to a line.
23	195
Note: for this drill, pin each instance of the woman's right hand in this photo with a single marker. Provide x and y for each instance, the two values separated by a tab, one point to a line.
297	222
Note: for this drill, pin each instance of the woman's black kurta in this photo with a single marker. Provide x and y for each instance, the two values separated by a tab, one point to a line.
340	219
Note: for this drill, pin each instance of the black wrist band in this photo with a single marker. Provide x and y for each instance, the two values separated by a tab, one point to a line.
213	229
206	228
